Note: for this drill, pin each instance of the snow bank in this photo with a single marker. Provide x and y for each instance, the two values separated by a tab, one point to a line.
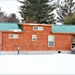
37	64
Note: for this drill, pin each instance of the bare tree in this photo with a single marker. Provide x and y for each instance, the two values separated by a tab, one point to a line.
1	16
12	18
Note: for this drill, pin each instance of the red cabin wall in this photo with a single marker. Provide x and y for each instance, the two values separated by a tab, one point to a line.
24	41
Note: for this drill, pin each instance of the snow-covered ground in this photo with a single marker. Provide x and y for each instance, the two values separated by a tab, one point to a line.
37	64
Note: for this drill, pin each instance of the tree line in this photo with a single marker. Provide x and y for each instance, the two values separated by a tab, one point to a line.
8	18
42	11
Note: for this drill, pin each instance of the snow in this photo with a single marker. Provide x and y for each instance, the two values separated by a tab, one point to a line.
37	64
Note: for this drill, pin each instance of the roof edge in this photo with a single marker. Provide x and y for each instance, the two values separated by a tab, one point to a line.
35	24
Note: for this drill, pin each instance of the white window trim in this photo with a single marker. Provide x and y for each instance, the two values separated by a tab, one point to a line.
38	28
13	37
53	41
32	37
42	28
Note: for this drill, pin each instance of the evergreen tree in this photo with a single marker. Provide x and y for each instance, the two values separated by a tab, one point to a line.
65	8
39	11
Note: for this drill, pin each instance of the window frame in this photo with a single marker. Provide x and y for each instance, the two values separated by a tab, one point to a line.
32	37
38	27
13	36
51	41
34	27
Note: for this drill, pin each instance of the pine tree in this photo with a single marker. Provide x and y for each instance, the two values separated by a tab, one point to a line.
39	11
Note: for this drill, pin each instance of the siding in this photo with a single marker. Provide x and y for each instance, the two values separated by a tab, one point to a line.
0	41
62	41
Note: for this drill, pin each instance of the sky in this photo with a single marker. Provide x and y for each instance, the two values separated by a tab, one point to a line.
10	6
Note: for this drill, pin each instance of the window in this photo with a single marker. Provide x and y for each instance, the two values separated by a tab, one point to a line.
50	40
13	36
37	28
34	37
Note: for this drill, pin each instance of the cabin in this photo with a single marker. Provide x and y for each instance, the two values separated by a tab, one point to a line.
28	38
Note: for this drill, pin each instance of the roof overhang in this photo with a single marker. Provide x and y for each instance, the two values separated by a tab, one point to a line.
35	24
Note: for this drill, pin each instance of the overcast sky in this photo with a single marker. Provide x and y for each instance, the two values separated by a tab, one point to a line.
10	6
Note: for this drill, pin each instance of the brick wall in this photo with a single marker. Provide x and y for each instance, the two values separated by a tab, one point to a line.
0	41
62	41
